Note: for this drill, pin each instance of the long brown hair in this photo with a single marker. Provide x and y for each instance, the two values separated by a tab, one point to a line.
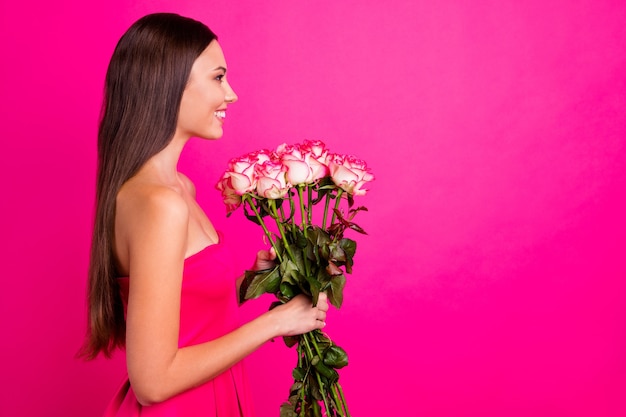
144	84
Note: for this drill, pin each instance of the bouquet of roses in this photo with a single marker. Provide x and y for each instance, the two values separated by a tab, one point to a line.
312	253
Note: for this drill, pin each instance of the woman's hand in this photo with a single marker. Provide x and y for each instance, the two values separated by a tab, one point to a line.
299	316
265	259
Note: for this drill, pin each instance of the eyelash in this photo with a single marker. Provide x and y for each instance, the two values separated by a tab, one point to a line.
220	77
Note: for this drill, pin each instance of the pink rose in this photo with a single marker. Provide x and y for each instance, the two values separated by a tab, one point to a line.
349	173
318	157
231	198
270	180
297	168
261	155
317	149
301	165
241	174
241	171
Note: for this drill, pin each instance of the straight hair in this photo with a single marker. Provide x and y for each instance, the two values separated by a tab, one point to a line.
143	89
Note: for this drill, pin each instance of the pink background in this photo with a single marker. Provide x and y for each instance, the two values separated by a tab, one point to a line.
493	279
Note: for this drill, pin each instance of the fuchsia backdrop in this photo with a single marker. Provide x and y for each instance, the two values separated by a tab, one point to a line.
493	279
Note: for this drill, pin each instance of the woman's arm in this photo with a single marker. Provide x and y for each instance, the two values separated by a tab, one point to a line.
155	236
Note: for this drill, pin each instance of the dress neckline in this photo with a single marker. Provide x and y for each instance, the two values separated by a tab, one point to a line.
220	239
194	256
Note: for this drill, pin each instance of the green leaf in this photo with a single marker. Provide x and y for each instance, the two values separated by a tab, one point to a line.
287	410
287	290
250	279
321	236
349	247
335	357
323	277
323	342
245	283
289	271
291	341
319	240
280	248
354	211
298	375
314	388
337	253
300	241
315	288
357	228
328	373
266	281
335	292
333	270
324	251
252	217
265	206
259	204
350	200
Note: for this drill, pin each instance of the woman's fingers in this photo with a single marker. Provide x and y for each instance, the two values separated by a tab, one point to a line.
264	259
300	316
322	302
321	315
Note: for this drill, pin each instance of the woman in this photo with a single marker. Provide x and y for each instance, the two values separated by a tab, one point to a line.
160	283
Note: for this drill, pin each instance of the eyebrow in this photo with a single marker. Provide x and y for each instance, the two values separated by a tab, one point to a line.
220	68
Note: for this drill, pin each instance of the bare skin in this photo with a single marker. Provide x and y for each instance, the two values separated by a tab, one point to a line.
159	224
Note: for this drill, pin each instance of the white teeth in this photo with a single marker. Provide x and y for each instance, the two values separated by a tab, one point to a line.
220	114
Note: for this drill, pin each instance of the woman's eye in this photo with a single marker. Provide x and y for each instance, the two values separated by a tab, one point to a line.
220	78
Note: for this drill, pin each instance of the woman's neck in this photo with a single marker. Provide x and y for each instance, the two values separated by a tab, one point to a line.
164	165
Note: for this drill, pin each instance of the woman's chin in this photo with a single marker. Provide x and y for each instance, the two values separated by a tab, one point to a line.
214	135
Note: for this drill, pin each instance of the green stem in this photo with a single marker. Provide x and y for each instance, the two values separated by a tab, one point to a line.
272	205
335	395
309	203
247	198
300	365
335	391
339	193
292	216
307	266
344	404
291	204
305	338
302	210
326	204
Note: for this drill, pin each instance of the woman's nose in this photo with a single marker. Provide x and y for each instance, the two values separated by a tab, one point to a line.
231	96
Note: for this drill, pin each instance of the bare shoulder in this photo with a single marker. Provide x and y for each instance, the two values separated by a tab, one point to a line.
141	200
150	218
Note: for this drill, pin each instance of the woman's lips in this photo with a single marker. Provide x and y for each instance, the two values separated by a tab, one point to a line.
221	115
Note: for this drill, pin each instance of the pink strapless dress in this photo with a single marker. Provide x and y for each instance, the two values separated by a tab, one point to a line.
208	310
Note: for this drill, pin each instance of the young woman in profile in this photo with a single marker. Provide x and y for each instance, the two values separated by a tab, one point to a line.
160	282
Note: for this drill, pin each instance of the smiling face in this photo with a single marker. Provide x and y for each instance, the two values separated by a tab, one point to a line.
206	96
